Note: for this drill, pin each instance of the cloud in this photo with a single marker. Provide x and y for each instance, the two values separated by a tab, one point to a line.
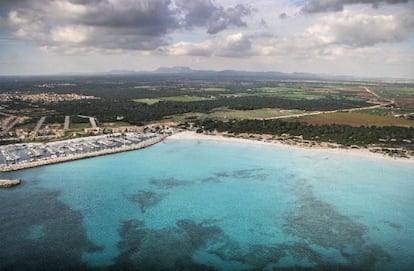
317	6
82	25
358	30
200	13
123	24
330	37
283	16
235	45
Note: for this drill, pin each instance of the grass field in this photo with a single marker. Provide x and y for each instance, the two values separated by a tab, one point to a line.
356	119
225	114
76	126
387	111
184	99
218	89
146	87
148	101
402	95
290	93
395	92
178	99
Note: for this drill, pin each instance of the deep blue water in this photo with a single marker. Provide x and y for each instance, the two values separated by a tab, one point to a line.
205	205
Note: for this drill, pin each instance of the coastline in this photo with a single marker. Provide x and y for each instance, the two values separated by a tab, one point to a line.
362	153
191	135
140	145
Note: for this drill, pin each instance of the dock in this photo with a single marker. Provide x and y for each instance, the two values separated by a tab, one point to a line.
38	125
92	122
67	122
9	183
11	125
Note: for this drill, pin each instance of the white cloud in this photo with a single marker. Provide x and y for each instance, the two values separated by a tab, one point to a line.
316	6
361	29
233	45
216	33
71	34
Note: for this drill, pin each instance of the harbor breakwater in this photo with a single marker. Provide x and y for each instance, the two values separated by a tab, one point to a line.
9	183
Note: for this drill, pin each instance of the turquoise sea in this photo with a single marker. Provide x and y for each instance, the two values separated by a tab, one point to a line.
209	205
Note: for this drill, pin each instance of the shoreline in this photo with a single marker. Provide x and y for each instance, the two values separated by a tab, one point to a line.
191	135
140	145
363	153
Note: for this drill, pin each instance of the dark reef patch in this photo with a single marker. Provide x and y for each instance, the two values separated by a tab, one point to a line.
318	223
169	183
169	248
252	174
198	234
172	248
211	180
395	226
147	199
59	239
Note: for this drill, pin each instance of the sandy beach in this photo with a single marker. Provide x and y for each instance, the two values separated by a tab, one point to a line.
363	153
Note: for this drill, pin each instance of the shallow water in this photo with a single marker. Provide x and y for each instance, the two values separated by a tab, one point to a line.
191	205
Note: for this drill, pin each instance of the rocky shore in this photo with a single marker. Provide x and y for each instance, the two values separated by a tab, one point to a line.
9	183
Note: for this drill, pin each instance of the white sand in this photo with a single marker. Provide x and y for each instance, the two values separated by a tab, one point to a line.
364	153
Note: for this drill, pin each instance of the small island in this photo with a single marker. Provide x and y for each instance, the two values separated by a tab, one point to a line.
9	183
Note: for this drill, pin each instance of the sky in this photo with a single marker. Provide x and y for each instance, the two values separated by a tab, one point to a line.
367	38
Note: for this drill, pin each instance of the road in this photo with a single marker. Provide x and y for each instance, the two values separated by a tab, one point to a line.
327	112
372	93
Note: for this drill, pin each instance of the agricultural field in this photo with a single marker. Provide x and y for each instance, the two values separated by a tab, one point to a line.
148	101
296	93
178	99
184	99
227	114
356	119
395	91
402	95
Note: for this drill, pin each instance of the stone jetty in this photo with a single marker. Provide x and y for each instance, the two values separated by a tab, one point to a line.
9	183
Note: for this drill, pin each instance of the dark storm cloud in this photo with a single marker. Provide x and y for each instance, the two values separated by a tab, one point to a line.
316	6
215	18
151	18
98	24
12	3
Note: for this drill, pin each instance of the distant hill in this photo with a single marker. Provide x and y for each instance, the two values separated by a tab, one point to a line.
234	74
177	69
182	72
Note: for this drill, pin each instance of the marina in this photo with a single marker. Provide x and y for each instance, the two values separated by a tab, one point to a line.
20	156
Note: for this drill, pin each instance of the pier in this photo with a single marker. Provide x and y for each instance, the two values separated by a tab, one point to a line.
9	183
38	125
67	122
